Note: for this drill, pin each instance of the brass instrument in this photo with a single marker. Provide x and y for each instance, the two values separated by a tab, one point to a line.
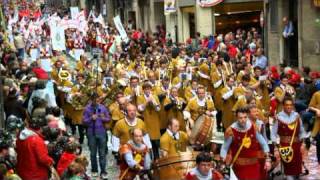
110	95
64	76
79	101
177	102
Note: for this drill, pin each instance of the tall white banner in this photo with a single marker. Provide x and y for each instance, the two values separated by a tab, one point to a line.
58	38
74	11
120	28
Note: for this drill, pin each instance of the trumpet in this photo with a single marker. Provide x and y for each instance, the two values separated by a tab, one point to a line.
177	102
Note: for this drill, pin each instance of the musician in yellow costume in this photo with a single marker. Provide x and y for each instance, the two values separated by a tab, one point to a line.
201	104
173	141
241	89
250	99
218	78
261	86
133	91
120	133
173	106
149	106
162	92
117	109
81	65
191	91
182	80
204	73
79	98
283	90
314	106
227	94
247	70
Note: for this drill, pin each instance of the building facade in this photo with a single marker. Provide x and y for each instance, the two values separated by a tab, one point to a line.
221	18
303	49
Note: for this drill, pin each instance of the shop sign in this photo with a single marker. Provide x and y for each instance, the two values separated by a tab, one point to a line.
208	3
169	6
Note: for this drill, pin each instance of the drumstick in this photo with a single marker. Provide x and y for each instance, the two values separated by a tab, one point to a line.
124	173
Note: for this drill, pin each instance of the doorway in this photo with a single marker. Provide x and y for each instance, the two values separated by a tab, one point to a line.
291	43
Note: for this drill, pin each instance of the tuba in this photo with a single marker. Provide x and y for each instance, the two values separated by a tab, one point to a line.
64	76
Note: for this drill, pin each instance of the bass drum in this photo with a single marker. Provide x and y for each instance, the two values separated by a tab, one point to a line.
174	167
201	132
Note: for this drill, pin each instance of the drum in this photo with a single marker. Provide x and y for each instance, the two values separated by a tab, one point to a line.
174	167
202	130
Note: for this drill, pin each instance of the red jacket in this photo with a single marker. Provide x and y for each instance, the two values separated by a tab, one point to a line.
65	160
33	161
40	73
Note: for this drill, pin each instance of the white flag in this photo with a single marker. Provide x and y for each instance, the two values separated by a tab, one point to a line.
57	38
120	28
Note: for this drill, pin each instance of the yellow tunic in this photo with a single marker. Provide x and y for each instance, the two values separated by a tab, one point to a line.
151	117
315	103
76	115
227	114
177	82
54	74
128	91
279	94
242	102
162	113
239	91
189	94
263	92
204	69
116	113
216	77
176	113
173	147
196	110
80	67
121	129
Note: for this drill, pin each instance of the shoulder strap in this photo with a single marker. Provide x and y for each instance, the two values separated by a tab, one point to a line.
294	132
239	150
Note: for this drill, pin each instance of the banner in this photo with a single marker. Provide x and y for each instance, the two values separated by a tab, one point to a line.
121	30
169	6
208	3
74	11
58	38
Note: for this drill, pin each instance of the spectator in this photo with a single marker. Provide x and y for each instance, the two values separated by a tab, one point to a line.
19	44
67	157
95	116
33	161
261	60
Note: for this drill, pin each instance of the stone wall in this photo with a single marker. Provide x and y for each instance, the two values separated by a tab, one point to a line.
310	36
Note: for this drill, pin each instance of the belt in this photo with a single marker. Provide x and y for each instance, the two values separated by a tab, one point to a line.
246	161
287	139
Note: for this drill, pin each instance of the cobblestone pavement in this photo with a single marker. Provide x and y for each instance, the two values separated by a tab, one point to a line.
312	165
112	168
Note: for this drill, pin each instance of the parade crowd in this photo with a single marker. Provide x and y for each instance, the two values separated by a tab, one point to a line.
152	99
